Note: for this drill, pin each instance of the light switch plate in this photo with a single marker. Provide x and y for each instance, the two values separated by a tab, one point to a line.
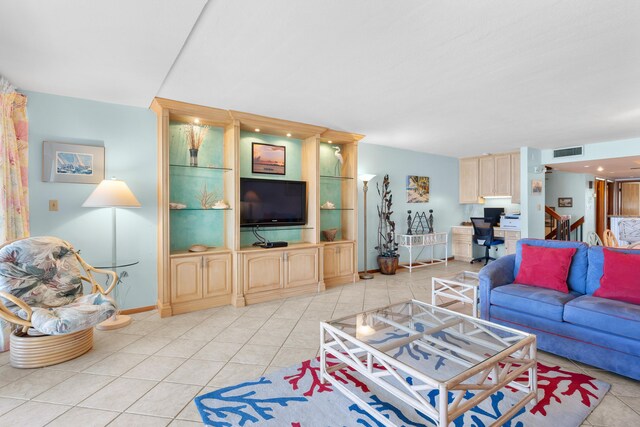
53	205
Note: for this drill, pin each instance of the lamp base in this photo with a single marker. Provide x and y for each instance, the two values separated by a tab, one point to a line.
366	276
116	322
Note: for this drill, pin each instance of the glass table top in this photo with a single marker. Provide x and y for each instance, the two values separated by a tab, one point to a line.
430	332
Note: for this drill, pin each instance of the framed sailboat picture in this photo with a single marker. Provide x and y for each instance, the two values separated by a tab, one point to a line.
76	163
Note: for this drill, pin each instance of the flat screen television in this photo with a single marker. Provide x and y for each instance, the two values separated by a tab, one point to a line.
270	202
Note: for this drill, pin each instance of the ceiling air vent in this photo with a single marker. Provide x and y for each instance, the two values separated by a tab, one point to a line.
567	152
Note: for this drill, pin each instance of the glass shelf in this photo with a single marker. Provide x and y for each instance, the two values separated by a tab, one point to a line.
281	228
336	177
199	209
336	209
202	167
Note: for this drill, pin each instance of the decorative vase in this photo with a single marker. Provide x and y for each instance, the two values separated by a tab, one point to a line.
193	157
330	234
388	264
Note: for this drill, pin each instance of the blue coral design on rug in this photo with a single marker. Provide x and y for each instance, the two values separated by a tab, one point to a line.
296	397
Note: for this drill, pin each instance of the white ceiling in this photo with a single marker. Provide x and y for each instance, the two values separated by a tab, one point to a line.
618	168
451	77
111	50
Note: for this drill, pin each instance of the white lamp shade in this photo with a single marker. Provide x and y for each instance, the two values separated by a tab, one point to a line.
366	177
111	193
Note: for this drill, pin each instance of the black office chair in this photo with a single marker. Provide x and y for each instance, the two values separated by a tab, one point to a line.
483	236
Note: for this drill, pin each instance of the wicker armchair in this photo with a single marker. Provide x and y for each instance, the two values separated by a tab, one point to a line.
46	318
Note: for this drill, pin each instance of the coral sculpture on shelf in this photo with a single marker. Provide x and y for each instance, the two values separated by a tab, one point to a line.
206	198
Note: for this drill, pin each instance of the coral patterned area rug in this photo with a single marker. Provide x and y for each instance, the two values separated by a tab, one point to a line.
295	397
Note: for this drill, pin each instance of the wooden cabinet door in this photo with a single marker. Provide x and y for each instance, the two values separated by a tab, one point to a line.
468	185
510	241
301	267
487	176
186	279
503	174
515	178
217	275
462	249
330	262
345	260
262	271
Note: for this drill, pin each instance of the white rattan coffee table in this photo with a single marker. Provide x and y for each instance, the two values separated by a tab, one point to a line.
479	356
462	286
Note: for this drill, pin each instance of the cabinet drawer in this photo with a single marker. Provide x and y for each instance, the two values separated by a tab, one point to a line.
465	231
512	235
499	233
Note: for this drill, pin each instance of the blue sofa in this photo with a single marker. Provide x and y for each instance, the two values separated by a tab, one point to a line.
601	332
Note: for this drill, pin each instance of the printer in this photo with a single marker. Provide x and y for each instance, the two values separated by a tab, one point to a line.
510	221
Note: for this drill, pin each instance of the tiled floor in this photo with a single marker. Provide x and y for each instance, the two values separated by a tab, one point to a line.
148	373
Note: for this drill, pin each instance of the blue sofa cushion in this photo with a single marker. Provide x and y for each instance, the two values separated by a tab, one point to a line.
596	264
607	315
539	302
577	279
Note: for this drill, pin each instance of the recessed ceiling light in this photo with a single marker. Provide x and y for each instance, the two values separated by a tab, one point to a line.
330	142
600	169
257	129
587	166
289	135
196	121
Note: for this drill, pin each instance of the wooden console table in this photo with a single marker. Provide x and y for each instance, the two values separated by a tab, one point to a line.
411	241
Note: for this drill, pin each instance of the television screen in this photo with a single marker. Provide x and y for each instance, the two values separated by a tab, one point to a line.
269	202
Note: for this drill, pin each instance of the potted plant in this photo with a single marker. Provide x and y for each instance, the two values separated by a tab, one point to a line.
387	246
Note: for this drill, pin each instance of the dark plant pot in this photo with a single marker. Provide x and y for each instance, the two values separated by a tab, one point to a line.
193	157
388	264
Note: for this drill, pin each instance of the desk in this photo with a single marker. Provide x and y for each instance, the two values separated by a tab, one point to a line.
462	240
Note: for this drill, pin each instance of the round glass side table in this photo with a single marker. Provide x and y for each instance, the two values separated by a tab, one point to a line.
117	320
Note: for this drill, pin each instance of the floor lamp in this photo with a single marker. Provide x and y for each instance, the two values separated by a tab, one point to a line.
365	178
112	193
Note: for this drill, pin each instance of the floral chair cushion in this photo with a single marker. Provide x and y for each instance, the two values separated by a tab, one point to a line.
85	312
41	271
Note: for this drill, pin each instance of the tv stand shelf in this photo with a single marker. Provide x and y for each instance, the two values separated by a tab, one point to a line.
232	271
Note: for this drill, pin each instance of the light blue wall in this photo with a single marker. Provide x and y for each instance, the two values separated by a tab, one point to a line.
532	218
443	179
575	185
129	137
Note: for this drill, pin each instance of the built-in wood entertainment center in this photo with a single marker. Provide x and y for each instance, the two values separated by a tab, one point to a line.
231	270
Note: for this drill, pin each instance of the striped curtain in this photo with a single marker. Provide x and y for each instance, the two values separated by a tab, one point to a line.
14	190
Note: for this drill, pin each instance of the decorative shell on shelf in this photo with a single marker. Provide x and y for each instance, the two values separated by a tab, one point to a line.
328	205
220	204
173	205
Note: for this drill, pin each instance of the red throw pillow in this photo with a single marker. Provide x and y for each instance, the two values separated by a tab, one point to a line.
545	267
620	279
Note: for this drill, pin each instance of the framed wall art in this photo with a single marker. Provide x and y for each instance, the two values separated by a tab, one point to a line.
536	187
75	163
417	189
565	202
268	159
